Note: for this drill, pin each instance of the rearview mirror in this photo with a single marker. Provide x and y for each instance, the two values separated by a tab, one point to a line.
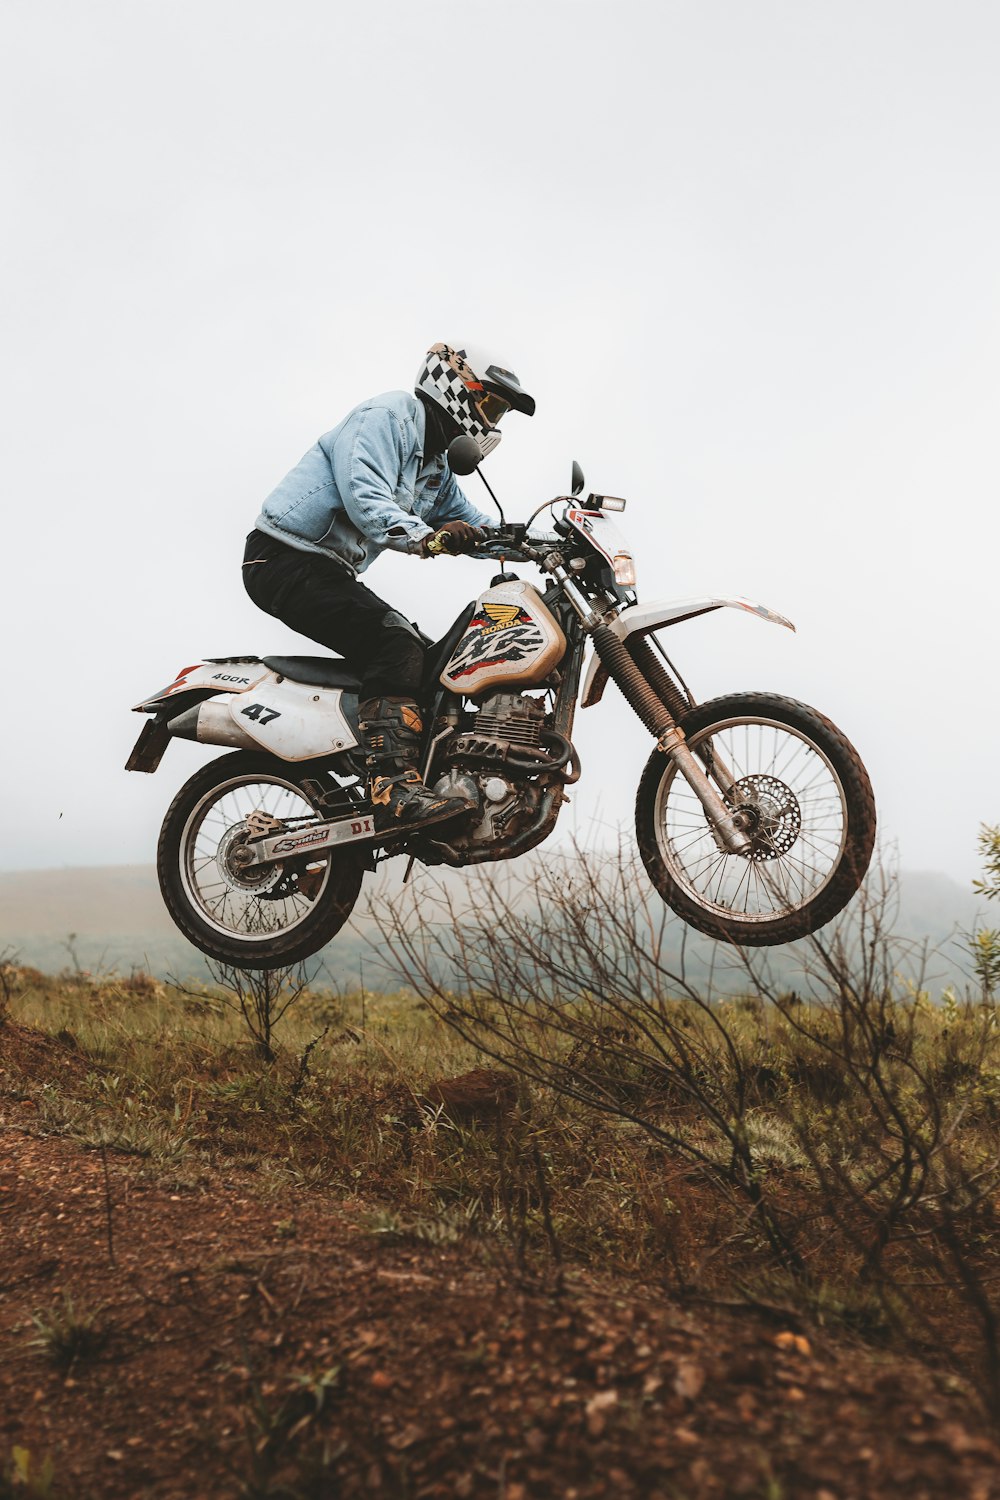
464	455
577	480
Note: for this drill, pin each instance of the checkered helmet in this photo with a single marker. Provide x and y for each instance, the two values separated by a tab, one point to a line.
473	390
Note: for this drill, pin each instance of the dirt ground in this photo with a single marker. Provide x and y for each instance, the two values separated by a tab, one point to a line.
247	1347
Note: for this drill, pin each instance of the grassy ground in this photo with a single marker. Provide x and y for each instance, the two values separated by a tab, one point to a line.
172	1080
647	1182
377	1136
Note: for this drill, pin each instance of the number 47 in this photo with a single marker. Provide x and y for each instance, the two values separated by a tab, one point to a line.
262	713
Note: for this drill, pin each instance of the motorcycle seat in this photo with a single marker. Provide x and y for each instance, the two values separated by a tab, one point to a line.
317	671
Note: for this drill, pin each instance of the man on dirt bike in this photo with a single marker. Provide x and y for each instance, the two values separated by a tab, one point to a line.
381	479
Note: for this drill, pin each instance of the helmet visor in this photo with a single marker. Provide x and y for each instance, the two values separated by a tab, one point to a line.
492	407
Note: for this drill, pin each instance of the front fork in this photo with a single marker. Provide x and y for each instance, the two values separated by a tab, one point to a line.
727	827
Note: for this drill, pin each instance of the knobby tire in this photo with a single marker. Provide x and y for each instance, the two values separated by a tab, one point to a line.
331	909
858	800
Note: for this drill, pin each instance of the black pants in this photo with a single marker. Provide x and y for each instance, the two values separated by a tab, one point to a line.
322	600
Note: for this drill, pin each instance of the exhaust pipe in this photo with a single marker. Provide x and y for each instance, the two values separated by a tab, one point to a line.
211	724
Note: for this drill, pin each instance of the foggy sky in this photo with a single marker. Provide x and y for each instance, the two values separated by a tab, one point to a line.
744	256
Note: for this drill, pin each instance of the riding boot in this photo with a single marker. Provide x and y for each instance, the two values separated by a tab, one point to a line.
390	731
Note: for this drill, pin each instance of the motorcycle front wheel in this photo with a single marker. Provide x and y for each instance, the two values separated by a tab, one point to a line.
256	918
804	798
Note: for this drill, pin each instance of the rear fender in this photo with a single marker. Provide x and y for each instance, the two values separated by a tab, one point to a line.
639	620
249	706
172	714
205	678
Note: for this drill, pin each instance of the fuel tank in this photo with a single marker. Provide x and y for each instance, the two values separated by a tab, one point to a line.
513	641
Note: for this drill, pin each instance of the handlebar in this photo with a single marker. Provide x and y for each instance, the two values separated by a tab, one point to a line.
512	534
512	541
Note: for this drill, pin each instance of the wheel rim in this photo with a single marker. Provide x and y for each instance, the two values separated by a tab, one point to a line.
252	905
795	811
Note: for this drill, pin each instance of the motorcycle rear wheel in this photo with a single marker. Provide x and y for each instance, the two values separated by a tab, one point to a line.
806	795
263	918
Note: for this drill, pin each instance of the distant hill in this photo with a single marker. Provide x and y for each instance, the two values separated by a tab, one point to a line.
119	923
112	919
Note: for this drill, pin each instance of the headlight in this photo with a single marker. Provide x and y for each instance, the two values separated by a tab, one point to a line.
624	570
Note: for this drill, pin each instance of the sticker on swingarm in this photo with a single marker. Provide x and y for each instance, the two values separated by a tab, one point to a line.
312	840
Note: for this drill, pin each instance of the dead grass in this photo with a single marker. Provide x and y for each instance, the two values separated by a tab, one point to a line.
170	1081
442	1150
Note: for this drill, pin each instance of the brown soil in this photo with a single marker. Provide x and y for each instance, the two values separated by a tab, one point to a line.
256	1347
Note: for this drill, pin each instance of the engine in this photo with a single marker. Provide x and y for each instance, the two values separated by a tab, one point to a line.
497	759
505	722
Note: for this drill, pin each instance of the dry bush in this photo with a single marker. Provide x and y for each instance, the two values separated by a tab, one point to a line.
262	997
846	1130
10	975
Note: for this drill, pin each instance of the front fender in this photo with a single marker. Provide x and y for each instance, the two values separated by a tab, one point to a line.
642	619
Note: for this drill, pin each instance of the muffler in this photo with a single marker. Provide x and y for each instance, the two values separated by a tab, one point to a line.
211	724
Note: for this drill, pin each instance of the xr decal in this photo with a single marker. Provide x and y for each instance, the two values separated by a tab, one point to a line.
491	641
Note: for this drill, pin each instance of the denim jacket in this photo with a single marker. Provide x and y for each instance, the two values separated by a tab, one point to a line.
365	486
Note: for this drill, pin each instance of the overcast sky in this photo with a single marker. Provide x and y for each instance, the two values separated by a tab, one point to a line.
745	256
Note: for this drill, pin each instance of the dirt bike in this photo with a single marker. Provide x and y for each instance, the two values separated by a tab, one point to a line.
754	815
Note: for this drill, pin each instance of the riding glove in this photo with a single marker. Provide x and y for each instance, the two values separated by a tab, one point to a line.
453	537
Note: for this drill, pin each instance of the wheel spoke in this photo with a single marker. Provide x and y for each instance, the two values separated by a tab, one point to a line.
232	900
791	795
